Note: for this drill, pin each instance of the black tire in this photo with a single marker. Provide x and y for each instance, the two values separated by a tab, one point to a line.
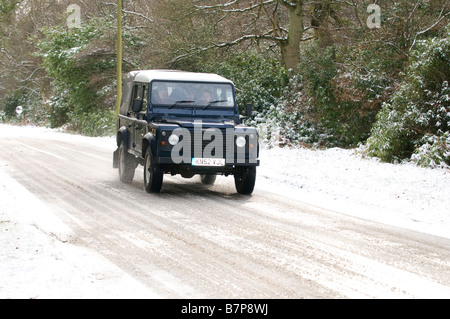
244	179
127	165
153	175
208	179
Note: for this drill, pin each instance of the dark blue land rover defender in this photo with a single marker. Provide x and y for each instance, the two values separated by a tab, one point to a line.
174	122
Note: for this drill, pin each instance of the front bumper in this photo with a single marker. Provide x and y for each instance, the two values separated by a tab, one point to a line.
228	163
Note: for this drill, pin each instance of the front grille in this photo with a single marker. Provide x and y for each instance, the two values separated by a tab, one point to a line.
204	146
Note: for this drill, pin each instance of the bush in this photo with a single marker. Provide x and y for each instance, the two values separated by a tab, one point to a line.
94	123
290	121
434	151
9	104
343	102
33	111
417	120
83	77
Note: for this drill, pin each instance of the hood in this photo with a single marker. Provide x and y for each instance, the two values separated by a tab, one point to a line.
204	122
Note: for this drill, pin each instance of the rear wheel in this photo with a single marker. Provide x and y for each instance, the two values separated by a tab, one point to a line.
153	175
127	165
208	179
244	179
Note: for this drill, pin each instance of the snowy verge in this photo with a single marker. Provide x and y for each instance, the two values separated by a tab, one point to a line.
403	195
37	261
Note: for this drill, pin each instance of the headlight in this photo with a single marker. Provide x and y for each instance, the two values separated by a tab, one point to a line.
240	141
174	139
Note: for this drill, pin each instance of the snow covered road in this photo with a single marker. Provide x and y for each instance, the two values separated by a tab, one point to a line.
312	229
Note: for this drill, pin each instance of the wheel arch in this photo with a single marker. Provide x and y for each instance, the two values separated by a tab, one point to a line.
149	141
123	135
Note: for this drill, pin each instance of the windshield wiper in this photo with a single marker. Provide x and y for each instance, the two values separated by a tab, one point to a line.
180	102
214	102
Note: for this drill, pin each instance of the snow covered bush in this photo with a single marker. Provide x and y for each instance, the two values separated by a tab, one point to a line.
344	90
417	119
434	152
323	105
290	121
82	77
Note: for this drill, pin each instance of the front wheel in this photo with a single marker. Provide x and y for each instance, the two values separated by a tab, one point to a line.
244	179
153	175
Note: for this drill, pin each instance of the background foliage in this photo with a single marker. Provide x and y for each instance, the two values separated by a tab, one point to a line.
417	120
317	75
81	74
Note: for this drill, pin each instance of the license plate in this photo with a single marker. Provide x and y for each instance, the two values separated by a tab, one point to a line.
208	162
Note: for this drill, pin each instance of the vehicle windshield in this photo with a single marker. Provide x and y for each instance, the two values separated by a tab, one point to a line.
190	94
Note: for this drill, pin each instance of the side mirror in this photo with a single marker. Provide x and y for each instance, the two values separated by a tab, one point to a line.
248	109
137	106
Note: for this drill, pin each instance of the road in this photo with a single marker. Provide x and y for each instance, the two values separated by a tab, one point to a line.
194	241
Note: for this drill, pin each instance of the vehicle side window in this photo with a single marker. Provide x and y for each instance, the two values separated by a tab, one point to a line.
140	93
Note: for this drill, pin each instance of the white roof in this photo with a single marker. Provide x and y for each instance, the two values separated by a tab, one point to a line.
147	76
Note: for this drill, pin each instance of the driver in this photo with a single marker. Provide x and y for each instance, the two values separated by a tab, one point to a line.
161	96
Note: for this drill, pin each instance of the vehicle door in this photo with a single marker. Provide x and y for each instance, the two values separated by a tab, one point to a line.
140	125
127	119
133	114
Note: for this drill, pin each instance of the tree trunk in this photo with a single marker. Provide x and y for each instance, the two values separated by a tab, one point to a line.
290	48
320	21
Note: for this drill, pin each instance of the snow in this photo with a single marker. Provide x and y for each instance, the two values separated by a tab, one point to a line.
402	195
35	263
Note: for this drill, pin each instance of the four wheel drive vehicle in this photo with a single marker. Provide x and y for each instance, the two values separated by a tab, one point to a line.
174	122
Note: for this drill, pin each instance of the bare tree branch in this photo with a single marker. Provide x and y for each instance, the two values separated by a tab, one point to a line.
131	12
197	51
223	7
441	17
218	5
272	19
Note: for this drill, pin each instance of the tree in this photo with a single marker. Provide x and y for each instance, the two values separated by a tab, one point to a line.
276	21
